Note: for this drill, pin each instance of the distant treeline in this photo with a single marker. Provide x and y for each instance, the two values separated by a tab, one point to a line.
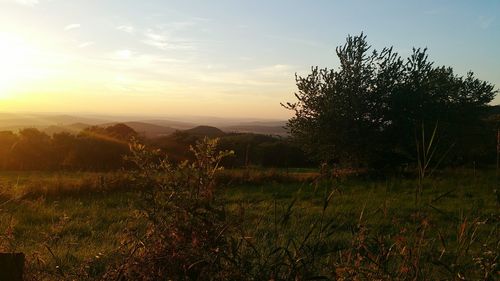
250	149
101	149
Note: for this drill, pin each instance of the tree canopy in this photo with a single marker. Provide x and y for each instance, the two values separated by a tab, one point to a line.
369	111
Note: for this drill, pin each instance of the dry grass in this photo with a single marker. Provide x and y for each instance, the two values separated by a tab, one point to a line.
73	225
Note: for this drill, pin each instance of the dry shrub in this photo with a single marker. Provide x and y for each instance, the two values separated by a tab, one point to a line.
187	228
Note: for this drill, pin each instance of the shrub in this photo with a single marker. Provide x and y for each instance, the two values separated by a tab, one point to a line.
185	237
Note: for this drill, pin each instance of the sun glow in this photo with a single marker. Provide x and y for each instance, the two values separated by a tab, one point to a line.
16	62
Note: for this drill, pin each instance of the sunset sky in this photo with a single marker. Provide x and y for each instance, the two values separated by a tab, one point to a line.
215	58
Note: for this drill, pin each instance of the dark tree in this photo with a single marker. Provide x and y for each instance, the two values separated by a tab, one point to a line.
121	132
65	146
33	151
7	141
367	112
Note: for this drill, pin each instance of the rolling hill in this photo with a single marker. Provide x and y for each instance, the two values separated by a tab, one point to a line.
147	130
265	130
205	131
72	128
151	128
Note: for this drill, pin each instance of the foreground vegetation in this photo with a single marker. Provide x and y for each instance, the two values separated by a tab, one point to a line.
283	226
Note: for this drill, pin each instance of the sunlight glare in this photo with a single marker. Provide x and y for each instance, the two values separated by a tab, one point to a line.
15	62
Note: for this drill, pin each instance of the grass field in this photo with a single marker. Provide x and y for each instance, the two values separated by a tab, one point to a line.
63	220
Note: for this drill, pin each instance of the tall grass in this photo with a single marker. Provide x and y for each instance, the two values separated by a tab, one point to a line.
179	222
288	242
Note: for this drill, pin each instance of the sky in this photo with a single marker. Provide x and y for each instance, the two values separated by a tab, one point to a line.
216	58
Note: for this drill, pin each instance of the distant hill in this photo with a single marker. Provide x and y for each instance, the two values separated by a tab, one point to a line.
70	119
278	123
147	130
72	128
171	123
150	127
11	121
275	128
205	131
265	130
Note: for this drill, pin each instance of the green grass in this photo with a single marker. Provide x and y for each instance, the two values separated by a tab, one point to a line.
74	229
88	225
384	204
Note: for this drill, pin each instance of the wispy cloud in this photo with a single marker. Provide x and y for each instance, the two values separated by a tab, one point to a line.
485	21
165	42
276	70
272	76
233	79
72	26
85	45
126	28
169	36
30	3
188	23
124	54
179	25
